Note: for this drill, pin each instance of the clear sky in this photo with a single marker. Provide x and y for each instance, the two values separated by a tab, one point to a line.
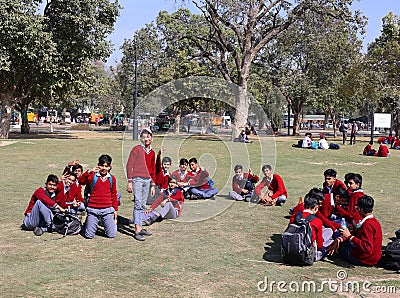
136	13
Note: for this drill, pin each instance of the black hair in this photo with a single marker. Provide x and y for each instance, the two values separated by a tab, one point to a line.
105	158
366	203
347	177
52	178
341	192
330	173
144	130
310	202
238	167
183	161
77	166
166	159
316	193
172	177
265	167
193	159
357	178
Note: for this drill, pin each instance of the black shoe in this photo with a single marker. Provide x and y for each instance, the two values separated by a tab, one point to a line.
144	232
131	221
139	237
38	231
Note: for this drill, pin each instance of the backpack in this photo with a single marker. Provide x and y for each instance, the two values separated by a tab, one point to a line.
341	128
210	182
89	189
391	256
67	223
297	246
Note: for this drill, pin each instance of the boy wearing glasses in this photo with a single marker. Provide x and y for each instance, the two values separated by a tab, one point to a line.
103	202
141	174
170	200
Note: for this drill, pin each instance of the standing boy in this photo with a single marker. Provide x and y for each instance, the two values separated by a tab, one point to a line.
102	202
141	174
38	214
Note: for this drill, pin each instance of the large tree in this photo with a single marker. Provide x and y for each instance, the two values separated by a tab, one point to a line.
241	29
43	51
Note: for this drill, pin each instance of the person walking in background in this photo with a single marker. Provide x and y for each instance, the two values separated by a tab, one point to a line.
354	129
343	129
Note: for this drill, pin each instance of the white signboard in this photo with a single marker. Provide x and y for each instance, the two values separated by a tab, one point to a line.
382	120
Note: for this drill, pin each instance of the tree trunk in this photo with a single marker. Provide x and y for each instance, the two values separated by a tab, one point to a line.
242	111
5	120
25	124
296	123
333	118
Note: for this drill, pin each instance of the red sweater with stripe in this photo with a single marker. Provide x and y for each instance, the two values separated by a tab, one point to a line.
42	195
175	197
102	196
276	186
141	163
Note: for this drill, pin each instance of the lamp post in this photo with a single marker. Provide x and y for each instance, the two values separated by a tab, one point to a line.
135	114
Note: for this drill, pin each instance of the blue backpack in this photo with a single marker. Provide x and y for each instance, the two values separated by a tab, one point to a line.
210	182
88	190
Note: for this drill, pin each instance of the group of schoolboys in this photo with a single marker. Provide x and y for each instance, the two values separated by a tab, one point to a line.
144	174
359	240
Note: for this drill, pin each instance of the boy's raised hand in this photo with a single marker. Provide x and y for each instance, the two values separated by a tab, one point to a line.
95	169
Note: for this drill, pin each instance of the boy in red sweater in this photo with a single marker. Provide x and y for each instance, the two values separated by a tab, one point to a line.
182	173
141	174
364	245
198	181
102	202
242	184
171	202
38	214
331	182
276	193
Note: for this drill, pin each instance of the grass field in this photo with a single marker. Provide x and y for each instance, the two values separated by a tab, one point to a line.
219	248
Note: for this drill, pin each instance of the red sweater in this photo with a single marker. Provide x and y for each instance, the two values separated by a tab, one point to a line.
368	242
141	163
351	214
316	226
335	185
61	196
161	176
239	183
182	177
75	193
325	211
175	196
198	179
383	151
102	195
42	195
276	186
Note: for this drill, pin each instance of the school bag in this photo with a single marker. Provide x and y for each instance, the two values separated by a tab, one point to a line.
67	223
341	128
297	245
210	182
89	189
391	256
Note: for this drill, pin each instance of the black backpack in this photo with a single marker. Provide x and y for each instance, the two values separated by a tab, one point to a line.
67	223
297	245
391	256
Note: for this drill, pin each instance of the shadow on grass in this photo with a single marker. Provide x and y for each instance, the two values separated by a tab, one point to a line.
41	135
273	249
124	227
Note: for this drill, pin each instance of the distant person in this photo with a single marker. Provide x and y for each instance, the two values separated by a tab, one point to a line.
307	141
368	150
243	137
253	131
354	129
343	129
323	143
383	151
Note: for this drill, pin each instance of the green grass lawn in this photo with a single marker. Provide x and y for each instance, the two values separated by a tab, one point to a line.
218	248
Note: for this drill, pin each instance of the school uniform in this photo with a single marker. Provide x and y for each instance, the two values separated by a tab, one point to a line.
199	186
277	187
141	171
364	247
181	176
102	204
238	183
383	151
38	213
350	213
